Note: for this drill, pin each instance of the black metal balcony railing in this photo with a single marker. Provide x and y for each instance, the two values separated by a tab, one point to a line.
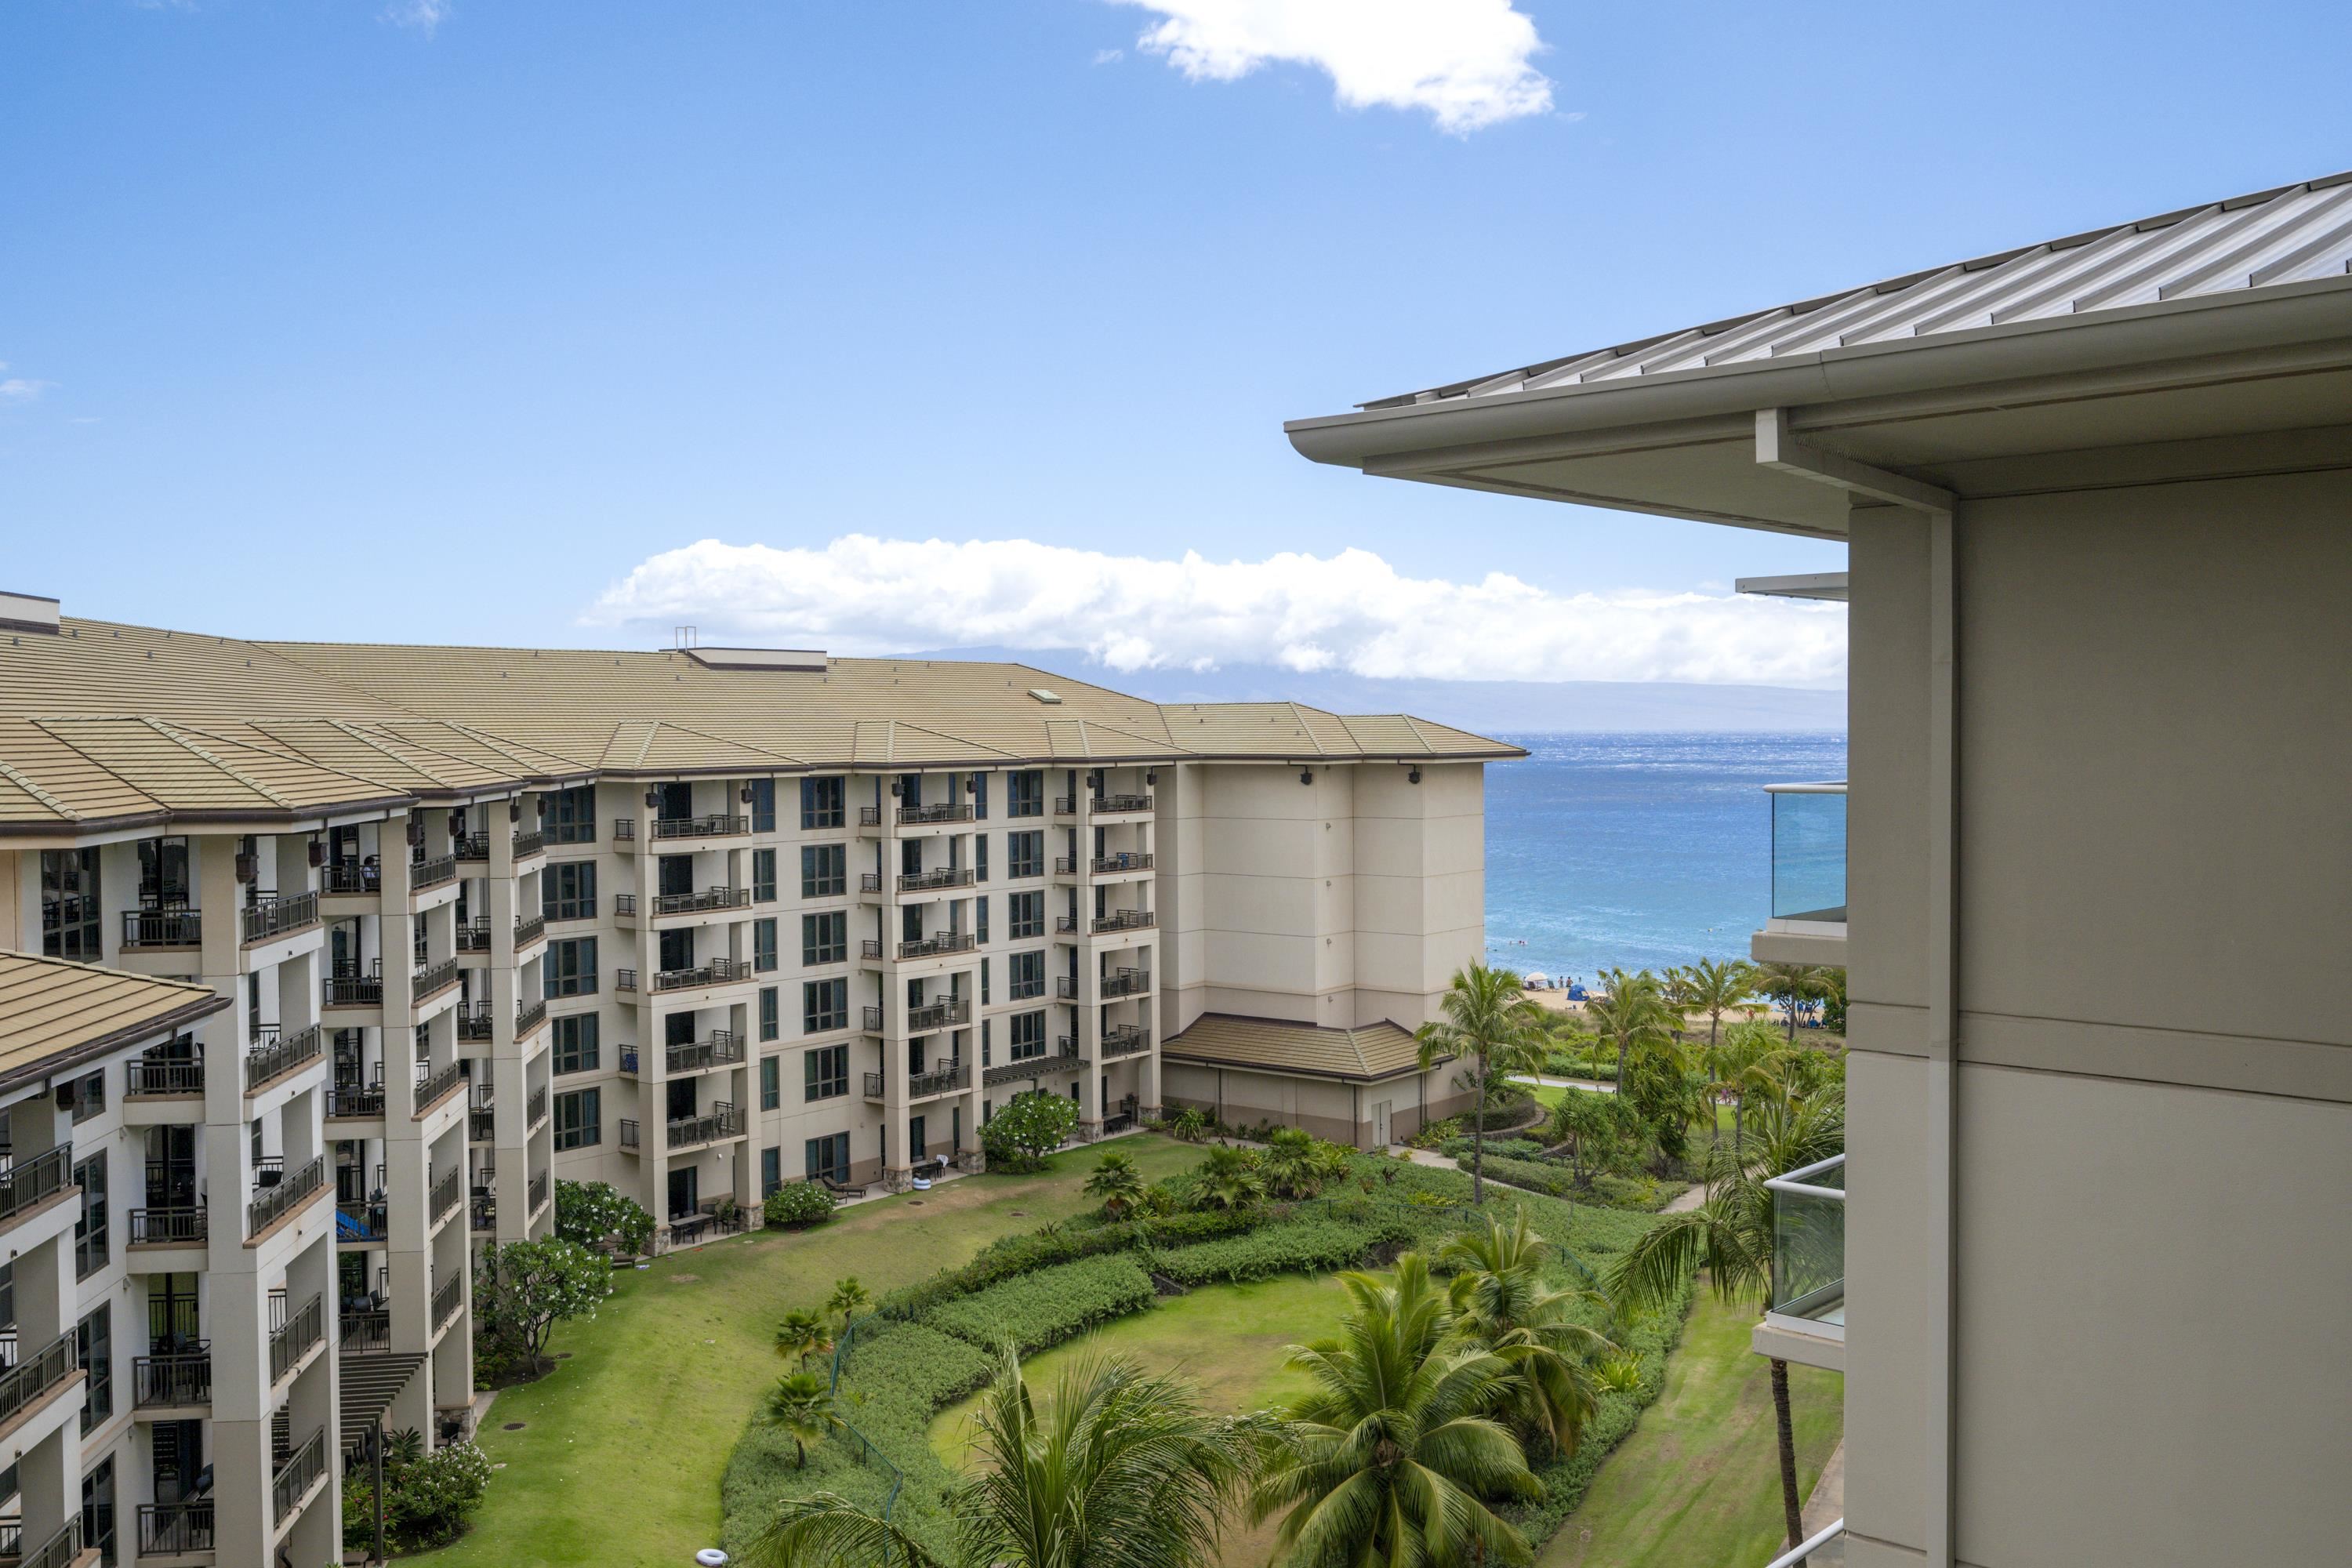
945	1078
869	881
164	1074
629	1059
1065	925
364	1329
1065	1060
870	816
474	1021
528	843
299	1474
625	904
472	847
534	1111
1103	804
175	1529
722	898
350	990
944	812
1125	983
183	1227
474	936
629	1132
279	1054
273	1202
721	1120
273	916
870	950
624	979
717	972
445	1194
721	1048
721	826
539	1187
873	1020
529	931
183	1377
61	1549
935	946
1065	805
939	877
480	1123
484	1213
1124	920
351	877
625	829
1066	987
433	979
1105	865
529	1017
355	1100
36	1375
954	1011
163	928
432	873
1065	866
447	1297
431	1086
1125	1040
291	1341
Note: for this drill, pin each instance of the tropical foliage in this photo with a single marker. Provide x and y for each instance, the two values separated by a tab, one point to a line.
1116	1183
1486	1019
798	1204
597	1214
522	1290
1026	1129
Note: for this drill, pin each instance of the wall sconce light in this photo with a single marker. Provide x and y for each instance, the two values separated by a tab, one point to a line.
1306	775
895	785
514	808
747	795
1151	775
317	852
652	799
1412	776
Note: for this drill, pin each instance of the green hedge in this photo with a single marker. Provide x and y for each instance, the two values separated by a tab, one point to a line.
1303	1247
1557	1180
1009	1257
1507	1148
1048	1306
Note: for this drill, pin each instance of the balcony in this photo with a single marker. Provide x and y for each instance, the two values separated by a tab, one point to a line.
303	1469
169	1227
717	972
1038	1065
938	946
349	877
942	877
432	1087
529	931
1112	865
1123	920
444	1196
922	816
175	1529
473	1020
485	1215
701	827
1064	925
723	1121
364	1330
425	874
183	1377
1808	919
163	928
59	1550
474	936
950	1013
354	1102
432	980
36	1375
629	1137
275	1054
448	1297
158	1077
271	917
698	902
1808	1301
870	816
538	1190
348	988
949	1076
721	1048
291	1341
472	847
534	1110
481	1121
529	1017
1125	1041
529	843
272	1202
1119	804
34	1179
1125	983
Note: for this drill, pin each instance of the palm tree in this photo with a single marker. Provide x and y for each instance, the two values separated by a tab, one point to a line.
1741	1066
1116	1183
1390	1457
1230	1178
849	1297
1118	1468
1633	1016
1731	1235
1791	983
1487	1017
801	1405
803	1333
1505	1307
1714	987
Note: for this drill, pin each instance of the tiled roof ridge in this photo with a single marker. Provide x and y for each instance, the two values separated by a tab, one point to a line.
104	971
248	779
44	796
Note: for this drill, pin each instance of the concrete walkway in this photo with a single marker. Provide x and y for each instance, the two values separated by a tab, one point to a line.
1564	1083
1828	1502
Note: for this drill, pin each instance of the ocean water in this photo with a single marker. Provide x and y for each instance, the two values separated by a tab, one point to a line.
1636	850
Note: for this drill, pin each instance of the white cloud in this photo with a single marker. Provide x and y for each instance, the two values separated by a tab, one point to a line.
1351	612
1464	61
1109	56
17	389
424	16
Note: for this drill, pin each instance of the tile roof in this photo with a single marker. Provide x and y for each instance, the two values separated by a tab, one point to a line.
1378	1050
52	1012
116	723
2290	235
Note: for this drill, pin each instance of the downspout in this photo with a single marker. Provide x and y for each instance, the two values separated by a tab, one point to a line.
1776	448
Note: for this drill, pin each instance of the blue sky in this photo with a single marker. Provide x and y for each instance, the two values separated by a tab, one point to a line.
324	323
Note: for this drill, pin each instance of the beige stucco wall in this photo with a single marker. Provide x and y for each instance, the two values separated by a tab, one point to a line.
2154	1104
1343	1112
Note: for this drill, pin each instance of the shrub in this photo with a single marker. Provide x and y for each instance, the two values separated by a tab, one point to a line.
1508	1110
590	1213
428	1500
1298	1247
1048	1306
1029	1127
1497	1148
1434	1134
798	1204
1010	1257
524	1289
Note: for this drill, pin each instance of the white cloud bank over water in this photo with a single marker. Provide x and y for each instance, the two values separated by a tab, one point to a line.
1350	612
1464	61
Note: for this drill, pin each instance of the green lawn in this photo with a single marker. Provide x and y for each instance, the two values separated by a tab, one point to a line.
1699	1481
622	1447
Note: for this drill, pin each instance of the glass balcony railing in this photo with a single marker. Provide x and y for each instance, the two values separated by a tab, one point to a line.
1809	1247
1809	852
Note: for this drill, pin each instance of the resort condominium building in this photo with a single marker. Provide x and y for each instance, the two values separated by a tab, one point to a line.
2089	1290
449	924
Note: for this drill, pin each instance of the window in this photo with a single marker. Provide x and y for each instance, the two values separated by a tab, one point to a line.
570	969
69	907
821	803
824	1073
771	1171
980	857
1026	1033
824	1006
1025	854
94	1338
770	1096
824	870
763	805
579	1120
88	1095
763	876
980	919
90	1230
1025	794
571	814
163	873
770	1027
979	797
983	983
1028	915
829	1158
575	1043
763	945
825	939
1027	978
568	891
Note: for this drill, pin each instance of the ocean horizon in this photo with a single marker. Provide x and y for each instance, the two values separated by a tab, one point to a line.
1636	850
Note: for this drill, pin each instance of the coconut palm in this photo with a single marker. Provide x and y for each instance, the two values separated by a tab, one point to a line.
1504	1306
1390	1457
1791	985
1714	987
850	1297
1118	1468
1116	1183
1230	1178
1487	1018
1742	1065
803	1333
800	1406
1731	1235
1633	1016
